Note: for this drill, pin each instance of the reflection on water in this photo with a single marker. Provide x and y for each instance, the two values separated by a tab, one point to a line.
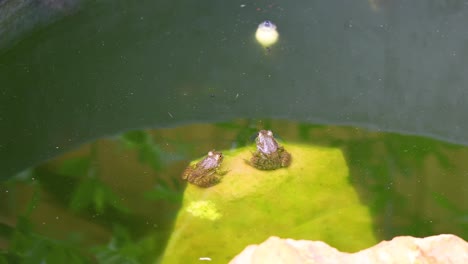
17	18
115	199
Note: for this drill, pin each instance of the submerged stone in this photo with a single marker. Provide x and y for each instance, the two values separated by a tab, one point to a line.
311	199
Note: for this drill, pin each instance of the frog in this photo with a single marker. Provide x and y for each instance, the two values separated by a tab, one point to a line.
269	155
205	173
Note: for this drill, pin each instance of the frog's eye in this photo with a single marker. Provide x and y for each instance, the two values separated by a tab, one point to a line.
269	133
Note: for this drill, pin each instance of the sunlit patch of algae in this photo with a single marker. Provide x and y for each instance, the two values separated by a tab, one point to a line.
312	199
204	210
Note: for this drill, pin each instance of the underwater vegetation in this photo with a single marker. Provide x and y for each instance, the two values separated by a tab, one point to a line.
120	198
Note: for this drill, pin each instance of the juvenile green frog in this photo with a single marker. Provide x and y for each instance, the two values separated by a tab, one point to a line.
269	155
206	172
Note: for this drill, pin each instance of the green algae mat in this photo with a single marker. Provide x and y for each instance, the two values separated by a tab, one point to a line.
311	199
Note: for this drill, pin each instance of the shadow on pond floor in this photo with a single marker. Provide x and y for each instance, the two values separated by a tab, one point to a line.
413	185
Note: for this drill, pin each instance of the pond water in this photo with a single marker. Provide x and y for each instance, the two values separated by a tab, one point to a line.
104	103
111	66
117	198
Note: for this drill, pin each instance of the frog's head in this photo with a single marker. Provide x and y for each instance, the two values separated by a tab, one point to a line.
263	134
266	143
216	155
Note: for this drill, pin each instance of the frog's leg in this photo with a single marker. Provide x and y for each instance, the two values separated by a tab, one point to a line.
254	159
265	162
221	172
187	172
285	158
208	180
274	161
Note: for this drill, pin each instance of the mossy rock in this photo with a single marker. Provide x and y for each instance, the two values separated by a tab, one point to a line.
312	199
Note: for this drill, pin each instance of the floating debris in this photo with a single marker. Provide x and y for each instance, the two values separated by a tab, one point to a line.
266	34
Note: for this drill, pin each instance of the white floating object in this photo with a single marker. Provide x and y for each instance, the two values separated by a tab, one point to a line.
205	258
266	33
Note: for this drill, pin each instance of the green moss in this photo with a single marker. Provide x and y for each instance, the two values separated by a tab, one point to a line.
312	199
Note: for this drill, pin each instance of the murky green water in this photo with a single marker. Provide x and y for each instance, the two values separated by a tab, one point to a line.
117	198
181	68
111	66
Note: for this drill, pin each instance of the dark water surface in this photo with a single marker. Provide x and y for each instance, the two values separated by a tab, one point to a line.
117	198
111	66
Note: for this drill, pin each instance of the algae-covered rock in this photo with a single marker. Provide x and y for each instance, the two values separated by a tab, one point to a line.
311	199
